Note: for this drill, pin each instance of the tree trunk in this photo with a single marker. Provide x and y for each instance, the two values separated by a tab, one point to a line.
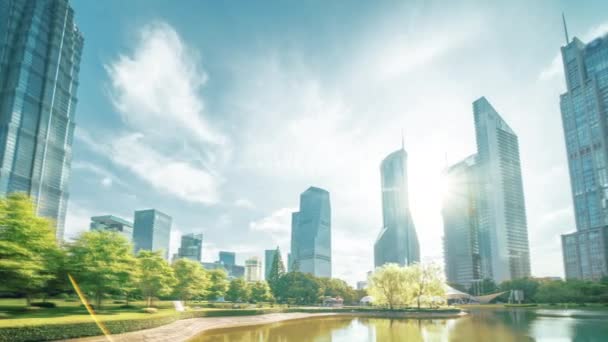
419	301
97	301
28	299
149	301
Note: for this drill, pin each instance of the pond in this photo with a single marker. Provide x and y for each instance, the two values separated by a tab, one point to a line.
495	325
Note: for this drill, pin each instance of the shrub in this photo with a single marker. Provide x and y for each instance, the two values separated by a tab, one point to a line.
71	300
44	304
150	310
127	306
118	302
4	315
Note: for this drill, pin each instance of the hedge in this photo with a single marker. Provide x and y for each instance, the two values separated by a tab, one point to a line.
65	331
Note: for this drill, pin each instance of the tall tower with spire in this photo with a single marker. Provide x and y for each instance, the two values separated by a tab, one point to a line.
397	241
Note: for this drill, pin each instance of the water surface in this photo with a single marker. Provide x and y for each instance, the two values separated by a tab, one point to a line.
481	325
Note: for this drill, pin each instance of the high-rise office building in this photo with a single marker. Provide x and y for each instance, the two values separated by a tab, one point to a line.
460	223
484	213
253	269
311	233
269	255
289	263
503	228
112	223
40	51
191	247
584	109
152	231
227	258
397	241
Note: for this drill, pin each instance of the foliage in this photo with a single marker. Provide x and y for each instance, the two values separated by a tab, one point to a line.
527	285
298	288
218	284
102	262
486	286
150	310
238	291
276	270
260	292
43	304
426	282
156	277
333	287
27	247
192	280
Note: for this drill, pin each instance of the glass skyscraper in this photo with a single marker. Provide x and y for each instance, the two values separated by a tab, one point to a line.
311	234
40	51
397	241
584	109
227	258
461	234
503	228
152	231
268	260
113	223
191	247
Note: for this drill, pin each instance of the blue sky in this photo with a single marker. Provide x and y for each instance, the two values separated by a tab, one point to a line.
221	113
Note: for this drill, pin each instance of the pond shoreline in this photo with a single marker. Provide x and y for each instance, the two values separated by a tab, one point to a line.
186	329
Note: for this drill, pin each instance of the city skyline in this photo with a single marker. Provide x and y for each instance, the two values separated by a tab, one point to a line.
356	98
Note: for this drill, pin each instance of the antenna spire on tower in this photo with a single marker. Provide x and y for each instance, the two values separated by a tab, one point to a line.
565	28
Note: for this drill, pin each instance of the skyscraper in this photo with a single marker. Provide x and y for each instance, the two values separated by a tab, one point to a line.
152	231
484	213
461	235
311	233
397	241
503	229
40	51
584	109
191	247
268	260
113	223
253	269
227	258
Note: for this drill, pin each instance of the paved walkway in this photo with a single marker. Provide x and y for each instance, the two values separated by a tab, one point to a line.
185	329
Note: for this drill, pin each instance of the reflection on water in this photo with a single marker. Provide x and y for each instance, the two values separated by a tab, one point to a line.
481	325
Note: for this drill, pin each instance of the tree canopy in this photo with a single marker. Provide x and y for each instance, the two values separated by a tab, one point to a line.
192	279
156	277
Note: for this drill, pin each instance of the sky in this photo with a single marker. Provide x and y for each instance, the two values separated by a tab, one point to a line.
221	113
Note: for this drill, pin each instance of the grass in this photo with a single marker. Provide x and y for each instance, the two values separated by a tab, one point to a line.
15	313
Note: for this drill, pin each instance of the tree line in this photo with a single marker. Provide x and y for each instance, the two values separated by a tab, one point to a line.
102	264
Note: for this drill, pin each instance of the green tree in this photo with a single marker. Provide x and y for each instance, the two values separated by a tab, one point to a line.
389	286
218	284
102	262
484	287
192	279
238	291
276	270
527	285
333	287
27	247
156	276
425	282
298	288
260	292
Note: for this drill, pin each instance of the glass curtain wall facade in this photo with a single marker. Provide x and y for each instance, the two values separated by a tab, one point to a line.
503	230
584	109
191	247
112	223
461	235
397	241
268	260
311	234
40	52
152	231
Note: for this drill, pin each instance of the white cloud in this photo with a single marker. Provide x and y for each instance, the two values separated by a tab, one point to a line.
107	177
157	86
77	220
168	140
107	182
244	203
277	226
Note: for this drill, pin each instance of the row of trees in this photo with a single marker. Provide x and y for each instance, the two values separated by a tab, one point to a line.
393	285
102	264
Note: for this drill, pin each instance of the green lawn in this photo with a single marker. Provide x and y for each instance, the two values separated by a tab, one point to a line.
15	314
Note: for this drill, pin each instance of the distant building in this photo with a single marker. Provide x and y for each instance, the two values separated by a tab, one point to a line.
227	258
584	109
152	231
461	224
397	241
212	265
113	223
191	247
269	255
289	263
361	285
311	233
236	271
253	269
40	54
